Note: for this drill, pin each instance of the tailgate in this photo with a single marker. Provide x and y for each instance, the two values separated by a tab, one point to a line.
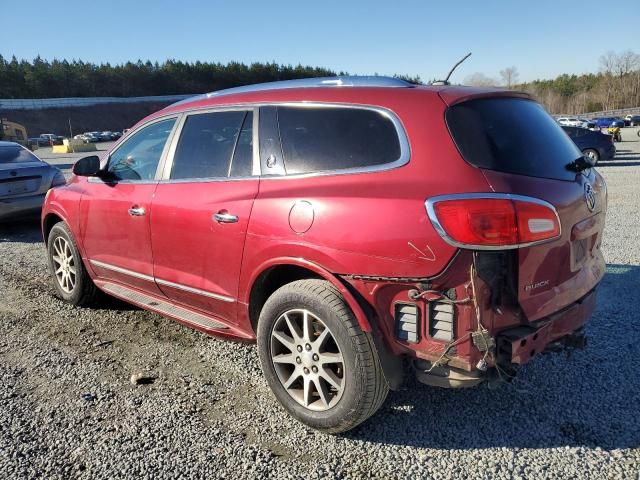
17	186
22	179
521	150
553	275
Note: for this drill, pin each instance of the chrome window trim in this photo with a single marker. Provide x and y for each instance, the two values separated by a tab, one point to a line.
149	278
430	202
197	291
405	146
161	160
165	175
124	271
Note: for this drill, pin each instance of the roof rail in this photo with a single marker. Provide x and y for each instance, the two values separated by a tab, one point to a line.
342	81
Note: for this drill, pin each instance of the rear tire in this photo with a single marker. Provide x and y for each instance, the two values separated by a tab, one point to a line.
323	369
70	277
591	153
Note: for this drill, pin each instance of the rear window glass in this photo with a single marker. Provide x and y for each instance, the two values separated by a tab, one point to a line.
16	154
334	138
512	135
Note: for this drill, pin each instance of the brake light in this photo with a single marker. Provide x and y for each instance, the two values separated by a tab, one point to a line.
493	221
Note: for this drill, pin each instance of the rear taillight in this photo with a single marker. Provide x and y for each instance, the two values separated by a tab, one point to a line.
493	220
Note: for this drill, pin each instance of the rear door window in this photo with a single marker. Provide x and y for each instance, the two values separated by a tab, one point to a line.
207	144
511	135
335	138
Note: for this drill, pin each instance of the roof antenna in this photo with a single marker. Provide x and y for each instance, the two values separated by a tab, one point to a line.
446	80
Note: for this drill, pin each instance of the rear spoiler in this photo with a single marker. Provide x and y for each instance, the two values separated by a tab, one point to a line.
454	95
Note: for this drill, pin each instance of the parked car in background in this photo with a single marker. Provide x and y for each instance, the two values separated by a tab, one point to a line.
617	122
116	135
320	222
634	120
46	140
603	122
51	139
570	121
595	145
24	181
89	137
586	123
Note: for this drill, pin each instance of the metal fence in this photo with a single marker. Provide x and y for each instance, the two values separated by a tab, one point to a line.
622	112
41	103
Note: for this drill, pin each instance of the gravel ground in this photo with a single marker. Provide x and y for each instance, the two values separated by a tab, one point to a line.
69	410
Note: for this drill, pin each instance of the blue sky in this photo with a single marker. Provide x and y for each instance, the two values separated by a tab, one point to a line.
542	38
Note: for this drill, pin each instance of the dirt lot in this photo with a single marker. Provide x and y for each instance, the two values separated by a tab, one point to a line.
68	408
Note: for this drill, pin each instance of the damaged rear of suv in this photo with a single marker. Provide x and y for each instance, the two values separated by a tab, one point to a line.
350	225
532	241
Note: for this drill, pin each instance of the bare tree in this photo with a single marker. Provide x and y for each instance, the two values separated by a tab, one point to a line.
608	62
627	62
509	76
479	79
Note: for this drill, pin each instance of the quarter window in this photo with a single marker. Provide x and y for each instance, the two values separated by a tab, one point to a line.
137	158
207	145
336	138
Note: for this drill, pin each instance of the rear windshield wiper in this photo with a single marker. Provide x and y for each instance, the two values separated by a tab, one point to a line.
580	164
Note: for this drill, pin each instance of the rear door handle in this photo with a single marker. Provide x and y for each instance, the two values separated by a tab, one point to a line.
225	217
136	211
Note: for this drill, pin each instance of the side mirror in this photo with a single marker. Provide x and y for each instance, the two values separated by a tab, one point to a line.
87	166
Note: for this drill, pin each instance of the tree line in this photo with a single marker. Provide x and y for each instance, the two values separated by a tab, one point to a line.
61	78
615	86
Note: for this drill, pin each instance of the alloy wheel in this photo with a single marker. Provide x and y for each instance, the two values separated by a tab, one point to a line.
307	360
63	264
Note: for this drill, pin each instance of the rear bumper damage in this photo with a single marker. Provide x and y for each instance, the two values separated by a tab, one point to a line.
516	346
520	344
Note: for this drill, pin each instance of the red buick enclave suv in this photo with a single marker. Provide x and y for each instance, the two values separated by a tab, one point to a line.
350	225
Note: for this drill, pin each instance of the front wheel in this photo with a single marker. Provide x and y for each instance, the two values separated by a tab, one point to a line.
319	363
70	278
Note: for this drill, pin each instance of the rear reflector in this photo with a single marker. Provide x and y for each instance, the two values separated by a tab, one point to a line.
493	221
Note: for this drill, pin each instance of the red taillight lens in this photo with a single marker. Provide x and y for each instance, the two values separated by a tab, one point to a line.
494	222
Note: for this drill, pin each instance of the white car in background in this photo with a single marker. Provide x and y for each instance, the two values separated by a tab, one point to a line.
570	121
632	120
589	124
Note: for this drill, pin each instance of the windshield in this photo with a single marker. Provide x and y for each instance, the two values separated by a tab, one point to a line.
512	135
16	154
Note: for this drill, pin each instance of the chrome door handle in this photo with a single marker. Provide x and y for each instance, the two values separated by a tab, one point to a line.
137	211
225	218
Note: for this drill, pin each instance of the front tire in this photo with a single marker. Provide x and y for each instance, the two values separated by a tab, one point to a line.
320	365
70	277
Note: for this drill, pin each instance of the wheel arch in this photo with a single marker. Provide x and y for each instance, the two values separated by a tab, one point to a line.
280	271
48	221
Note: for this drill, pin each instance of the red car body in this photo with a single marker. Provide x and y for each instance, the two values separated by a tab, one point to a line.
368	233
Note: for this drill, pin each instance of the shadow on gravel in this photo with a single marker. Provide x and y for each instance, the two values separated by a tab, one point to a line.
623	158
620	163
107	302
21	231
589	399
